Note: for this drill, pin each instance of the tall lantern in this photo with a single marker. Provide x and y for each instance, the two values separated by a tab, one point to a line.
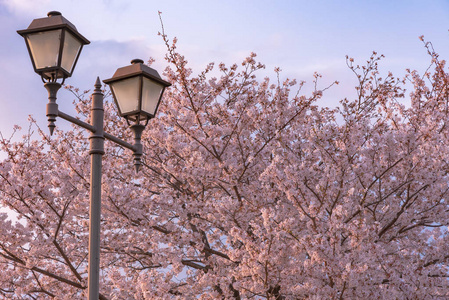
54	45
137	90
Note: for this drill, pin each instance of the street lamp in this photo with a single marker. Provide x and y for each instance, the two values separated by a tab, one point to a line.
137	90
54	45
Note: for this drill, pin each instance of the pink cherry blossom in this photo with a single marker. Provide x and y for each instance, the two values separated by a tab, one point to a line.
249	190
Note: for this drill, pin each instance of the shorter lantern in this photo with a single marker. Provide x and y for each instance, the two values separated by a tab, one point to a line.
54	45
137	90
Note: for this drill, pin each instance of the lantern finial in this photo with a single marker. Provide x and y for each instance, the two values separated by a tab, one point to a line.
53	13
136	61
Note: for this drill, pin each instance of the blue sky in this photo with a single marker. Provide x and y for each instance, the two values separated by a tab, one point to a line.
300	37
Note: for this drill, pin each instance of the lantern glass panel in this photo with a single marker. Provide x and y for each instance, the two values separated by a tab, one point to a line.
44	48
151	93
72	47
126	93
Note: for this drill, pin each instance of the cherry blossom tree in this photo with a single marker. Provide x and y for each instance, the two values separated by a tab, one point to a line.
249	190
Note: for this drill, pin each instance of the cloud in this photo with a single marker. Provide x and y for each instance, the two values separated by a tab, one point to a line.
27	7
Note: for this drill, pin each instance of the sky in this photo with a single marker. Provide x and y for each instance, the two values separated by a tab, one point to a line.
300	37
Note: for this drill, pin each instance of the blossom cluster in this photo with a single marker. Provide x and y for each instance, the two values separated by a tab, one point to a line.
248	190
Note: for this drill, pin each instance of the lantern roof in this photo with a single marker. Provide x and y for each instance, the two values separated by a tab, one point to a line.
54	20
137	68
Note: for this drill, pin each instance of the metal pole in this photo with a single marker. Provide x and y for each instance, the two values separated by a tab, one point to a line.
96	152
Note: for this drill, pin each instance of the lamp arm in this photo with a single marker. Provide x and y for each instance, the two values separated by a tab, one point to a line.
76	121
53	112
93	129
119	142
135	148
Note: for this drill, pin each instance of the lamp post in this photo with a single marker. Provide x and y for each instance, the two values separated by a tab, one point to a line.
54	45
